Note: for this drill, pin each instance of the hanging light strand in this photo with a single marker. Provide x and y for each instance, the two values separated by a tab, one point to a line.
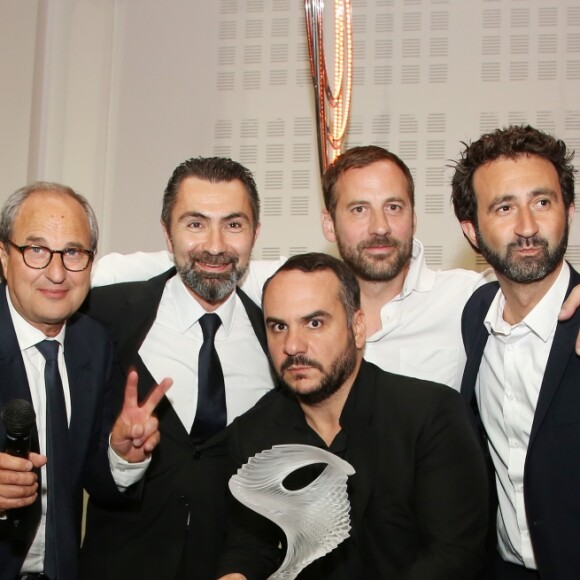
332	104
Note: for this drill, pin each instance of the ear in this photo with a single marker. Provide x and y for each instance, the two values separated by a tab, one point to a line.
469	232
256	234
414	222
359	328
328	227
571	211
4	257
167	238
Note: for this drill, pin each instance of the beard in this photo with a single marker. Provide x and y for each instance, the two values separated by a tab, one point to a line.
377	268
213	287
340	369
525	269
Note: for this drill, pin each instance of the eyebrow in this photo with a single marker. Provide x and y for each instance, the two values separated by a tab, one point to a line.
40	241
390	199
533	194
305	318
230	216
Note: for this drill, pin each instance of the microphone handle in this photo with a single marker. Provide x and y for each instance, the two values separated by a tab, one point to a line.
17	446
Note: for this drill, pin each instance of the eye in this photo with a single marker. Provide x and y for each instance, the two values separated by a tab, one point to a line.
37	250
358	209
194	225
235	225
73	252
315	323
394	208
276	327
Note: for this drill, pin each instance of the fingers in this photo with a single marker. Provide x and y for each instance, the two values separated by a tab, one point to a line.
131	399
18	483
153	398
142	433
156	394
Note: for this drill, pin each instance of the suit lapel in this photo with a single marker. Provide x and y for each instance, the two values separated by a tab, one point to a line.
256	319
83	391
563	345
135	323
12	371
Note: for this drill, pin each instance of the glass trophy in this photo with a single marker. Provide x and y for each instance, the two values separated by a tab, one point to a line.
315	519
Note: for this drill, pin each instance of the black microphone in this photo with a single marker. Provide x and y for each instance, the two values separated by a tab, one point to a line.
18	417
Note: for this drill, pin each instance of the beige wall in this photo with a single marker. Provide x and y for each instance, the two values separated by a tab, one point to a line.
110	95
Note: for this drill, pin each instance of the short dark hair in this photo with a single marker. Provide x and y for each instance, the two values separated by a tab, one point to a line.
14	202
318	262
214	170
511	142
356	158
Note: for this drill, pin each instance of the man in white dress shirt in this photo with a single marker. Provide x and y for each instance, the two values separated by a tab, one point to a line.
513	192
48	237
210	218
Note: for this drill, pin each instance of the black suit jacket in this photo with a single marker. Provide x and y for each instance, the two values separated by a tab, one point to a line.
552	468
88	356
418	498
177	529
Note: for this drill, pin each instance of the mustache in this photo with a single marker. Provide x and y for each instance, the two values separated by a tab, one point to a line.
300	360
379	240
206	257
528	243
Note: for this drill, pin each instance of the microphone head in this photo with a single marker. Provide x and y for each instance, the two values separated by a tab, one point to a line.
18	417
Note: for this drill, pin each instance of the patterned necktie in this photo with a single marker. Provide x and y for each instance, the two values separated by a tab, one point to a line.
211	414
58	467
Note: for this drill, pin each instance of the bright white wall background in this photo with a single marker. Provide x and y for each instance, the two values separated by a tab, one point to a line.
110	95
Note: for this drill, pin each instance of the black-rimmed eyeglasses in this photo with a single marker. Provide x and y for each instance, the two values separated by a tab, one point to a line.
39	257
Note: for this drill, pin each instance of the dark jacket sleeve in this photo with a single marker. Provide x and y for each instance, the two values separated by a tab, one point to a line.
451	496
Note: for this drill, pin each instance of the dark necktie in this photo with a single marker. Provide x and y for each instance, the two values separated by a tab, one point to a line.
211	414
58	471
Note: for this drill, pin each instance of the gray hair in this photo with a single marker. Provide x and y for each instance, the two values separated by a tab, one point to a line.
15	201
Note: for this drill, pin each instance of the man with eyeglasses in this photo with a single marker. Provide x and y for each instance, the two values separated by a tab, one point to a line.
61	363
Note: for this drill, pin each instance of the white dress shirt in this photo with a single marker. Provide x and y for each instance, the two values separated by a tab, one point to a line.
172	346
421	327
507	390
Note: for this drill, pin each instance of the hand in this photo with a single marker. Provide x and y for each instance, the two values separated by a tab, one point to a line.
18	483
135	432
569	308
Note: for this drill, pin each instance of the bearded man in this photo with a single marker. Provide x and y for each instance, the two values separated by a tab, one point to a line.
418	495
513	193
203	332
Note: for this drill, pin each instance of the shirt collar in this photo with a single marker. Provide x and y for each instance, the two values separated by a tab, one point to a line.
543	317
419	278
26	334
189	310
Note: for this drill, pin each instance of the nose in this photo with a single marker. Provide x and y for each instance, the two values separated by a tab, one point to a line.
526	226
294	342
215	243
379	223
55	271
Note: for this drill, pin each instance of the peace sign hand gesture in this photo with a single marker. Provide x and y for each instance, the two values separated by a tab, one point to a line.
136	431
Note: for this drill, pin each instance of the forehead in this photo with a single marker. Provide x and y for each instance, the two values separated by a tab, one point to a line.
219	198
294	293
379	178
51	215
511	176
